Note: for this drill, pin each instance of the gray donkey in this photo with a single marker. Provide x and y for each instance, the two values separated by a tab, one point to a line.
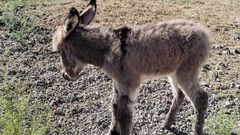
130	54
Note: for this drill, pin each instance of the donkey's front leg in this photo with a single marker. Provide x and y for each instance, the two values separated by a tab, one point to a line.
122	110
124	114
114	128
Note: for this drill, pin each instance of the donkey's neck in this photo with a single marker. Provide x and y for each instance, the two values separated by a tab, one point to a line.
92	44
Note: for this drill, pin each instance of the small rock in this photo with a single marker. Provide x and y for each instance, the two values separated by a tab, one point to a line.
59	112
229	51
234	131
229	104
237	86
233	85
224	87
207	67
236	51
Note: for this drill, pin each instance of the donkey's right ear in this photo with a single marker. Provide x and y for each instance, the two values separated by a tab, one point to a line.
72	20
88	14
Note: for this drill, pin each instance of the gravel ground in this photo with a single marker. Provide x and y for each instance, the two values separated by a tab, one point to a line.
83	107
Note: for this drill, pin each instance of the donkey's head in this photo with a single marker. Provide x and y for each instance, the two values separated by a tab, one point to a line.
60	43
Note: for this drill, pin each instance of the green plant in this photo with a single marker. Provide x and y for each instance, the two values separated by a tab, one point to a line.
16	21
17	117
223	122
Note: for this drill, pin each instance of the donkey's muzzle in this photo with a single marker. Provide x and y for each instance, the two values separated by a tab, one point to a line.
67	77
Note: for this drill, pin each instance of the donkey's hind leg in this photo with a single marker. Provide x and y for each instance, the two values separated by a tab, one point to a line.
188	81
178	98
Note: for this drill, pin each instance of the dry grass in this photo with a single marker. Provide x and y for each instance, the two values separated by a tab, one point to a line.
219	15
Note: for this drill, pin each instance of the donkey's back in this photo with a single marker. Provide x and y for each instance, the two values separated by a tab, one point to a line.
164	47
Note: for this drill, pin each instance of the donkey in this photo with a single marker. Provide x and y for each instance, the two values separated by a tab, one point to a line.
176	49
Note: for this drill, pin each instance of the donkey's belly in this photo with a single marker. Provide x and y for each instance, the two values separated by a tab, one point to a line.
151	77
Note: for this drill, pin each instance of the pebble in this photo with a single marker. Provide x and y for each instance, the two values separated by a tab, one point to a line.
236	51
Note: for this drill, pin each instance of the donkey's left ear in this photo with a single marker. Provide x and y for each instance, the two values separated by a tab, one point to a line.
88	14
72	20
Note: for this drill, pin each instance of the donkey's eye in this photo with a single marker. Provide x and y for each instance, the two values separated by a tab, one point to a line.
60	52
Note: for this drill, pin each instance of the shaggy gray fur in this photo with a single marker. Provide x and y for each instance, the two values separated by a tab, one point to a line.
176	49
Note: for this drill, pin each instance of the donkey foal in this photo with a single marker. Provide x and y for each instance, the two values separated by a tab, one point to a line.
176	49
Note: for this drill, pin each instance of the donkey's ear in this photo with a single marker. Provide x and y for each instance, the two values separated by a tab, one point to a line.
88	14
72	20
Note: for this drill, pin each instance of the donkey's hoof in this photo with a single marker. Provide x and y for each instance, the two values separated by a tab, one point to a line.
167	125
198	133
112	132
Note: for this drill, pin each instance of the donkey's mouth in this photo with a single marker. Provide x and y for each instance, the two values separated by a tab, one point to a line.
65	76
